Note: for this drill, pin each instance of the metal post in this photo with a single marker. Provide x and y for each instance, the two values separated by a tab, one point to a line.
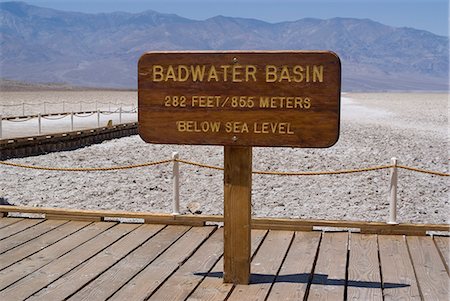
23	109
71	121
393	193
96	105
39	124
64	106
120	115
45	107
176	184
98	118
109	107
1	118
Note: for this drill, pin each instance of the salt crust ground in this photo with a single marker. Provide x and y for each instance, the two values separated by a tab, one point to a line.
374	128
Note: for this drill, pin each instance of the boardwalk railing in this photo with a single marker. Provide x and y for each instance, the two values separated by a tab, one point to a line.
59	116
392	218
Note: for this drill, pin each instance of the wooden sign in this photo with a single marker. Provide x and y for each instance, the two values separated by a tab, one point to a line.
240	98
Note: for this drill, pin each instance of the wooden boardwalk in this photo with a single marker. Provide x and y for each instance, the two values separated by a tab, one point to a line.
83	260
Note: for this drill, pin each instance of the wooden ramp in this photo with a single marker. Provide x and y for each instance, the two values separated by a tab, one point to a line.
83	260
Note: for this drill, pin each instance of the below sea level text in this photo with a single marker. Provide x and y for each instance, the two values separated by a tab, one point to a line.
234	127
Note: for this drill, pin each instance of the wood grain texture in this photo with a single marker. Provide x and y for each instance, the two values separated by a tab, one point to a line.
212	288
317	126
25	267
237	213
28	234
364	281
443	244
12	229
265	266
114	278
6	221
328	281
39	243
39	279
90	269
143	285
296	272
399	281
180	285
433	279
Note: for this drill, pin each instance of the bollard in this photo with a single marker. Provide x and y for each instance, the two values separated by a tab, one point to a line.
393	194
176	184
39	124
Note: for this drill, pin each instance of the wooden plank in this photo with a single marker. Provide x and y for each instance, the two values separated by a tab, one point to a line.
399	281
41	278
74	217
265	266
25	267
114	278
296	272
433	279
149	279
28	234
18	227
218	218
443	244
364	281
91	268
40	243
189	275
328	282
212	287
237	213
6	221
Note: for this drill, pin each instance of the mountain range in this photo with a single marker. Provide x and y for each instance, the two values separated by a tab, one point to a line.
46	45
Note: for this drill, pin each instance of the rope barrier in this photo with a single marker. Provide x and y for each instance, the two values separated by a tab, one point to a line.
20	120
56	118
82	116
86	168
436	173
313	173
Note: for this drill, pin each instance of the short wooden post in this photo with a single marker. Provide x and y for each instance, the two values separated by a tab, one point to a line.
393	193
39	124
237	213
176	184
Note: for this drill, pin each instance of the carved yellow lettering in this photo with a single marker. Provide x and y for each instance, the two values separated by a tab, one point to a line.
212	74
284	74
198	73
318	73
298	73
225	72
182	69
264	102
250	70
157	73
271	73
236	73
170	74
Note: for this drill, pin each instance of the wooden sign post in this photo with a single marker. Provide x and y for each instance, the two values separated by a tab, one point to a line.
239	99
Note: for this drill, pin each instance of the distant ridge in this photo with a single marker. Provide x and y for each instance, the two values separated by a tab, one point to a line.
101	50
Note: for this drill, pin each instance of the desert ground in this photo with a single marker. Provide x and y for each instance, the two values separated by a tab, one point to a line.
375	127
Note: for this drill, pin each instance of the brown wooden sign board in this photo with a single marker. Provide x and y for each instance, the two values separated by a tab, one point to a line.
240	98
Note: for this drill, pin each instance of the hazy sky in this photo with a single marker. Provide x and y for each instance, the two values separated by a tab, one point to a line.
431	15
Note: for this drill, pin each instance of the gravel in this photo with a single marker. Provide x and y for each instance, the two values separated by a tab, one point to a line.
374	128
